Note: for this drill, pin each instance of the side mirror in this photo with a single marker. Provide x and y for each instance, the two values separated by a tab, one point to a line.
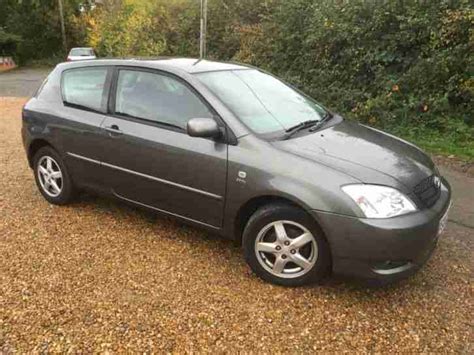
203	127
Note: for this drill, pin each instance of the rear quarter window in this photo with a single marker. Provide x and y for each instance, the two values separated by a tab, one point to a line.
84	87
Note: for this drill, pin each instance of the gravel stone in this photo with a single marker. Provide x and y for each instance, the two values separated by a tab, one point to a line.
99	276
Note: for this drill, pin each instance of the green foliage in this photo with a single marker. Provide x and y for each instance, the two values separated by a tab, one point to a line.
405	66
36	22
129	32
8	42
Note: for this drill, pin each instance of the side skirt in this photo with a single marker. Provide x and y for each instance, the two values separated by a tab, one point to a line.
166	212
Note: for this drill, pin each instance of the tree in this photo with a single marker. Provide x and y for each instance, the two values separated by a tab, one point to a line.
8	42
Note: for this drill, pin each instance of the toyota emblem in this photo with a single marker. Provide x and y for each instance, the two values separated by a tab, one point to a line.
437	182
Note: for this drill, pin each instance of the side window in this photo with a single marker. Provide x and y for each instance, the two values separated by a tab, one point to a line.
85	87
157	98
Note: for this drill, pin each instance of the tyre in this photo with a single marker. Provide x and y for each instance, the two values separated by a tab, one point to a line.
52	177
285	246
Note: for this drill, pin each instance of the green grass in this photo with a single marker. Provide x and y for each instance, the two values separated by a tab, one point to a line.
437	143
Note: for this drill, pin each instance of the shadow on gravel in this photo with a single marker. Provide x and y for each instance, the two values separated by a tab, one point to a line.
342	286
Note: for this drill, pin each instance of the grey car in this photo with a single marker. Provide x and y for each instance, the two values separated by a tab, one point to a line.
237	151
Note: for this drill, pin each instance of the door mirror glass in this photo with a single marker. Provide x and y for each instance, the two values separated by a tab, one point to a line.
203	127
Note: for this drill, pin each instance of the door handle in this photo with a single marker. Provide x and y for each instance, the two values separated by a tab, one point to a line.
113	130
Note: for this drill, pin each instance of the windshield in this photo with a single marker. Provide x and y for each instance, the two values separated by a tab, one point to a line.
261	101
81	52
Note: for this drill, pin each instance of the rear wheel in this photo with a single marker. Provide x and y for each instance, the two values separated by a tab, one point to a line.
52	177
285	246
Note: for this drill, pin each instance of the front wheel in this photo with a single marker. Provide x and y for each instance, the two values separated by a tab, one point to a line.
285	246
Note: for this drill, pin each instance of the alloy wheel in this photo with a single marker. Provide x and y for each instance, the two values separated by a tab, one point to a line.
286	249
50	176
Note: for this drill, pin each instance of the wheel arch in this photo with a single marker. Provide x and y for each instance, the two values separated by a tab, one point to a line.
249	208
36	145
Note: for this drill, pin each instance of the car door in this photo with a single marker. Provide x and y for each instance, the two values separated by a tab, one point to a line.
150	160
84	93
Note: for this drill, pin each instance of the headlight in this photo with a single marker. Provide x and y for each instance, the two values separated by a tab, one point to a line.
379	201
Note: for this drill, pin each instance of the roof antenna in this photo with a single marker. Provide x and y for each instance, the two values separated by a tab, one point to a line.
202	39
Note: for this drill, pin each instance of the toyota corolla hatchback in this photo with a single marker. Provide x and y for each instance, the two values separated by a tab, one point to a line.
239	152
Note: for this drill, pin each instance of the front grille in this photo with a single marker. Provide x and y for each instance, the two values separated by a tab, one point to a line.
428	190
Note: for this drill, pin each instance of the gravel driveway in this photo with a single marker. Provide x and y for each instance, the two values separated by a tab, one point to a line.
99	275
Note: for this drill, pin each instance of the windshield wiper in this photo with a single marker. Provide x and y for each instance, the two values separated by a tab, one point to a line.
325	118
298	127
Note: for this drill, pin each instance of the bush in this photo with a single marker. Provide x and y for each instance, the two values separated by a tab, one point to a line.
405	66
8	43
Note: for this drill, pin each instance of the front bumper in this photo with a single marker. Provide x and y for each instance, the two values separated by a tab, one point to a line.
384	250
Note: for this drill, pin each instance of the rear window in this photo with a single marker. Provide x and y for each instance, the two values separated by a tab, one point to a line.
84	87
81	52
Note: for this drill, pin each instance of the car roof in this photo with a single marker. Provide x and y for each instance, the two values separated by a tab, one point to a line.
189	65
